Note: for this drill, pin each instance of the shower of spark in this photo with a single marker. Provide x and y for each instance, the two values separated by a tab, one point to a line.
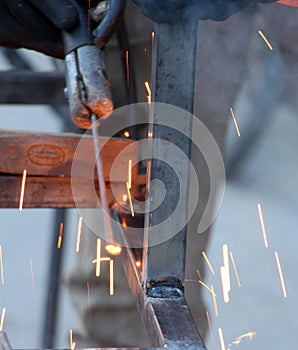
1	266
280	275
208	262
235	122
262	225
79	233
22	190
265	39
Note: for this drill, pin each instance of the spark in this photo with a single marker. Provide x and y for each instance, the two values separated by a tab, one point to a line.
79	233
60	236
138	263
265	39
208	262
127	68
73	346
235	122
113	249
32	279
214	300
98	256
2	318
221	339
152	38
262	225
111	277
129	199
70	339
235	269
205	285
126	134
147	86
129	173
211	329
124	223
238	340
150	134
280	275
224	282
1	265
88	296
22	190
124	197
198	273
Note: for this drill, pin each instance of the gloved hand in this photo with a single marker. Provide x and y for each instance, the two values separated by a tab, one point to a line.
37	24
169	11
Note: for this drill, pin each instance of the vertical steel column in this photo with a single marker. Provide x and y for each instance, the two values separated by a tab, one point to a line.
173	82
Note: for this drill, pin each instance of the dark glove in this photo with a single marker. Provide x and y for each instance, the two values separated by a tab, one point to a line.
37	24
163	11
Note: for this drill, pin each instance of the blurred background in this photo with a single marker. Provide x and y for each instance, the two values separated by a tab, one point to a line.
235	69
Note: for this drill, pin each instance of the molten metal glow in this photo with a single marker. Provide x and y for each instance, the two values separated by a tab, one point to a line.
2	318
265	39
60	236
281	275
1	266
22	190
113	249
262	225
126	134
130	201
235	269
79	233
208	262
235	122
111	277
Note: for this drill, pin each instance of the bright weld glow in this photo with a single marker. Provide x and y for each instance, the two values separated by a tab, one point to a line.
150	134
113	249
208	262
205	285
111	277
281	275
126	134
225	254
79	233
32	279
98	256
265	39
235	269
2	318
262	225
214	300
221	339
138	263
1	266
127	68
129	199
70	339
22	190
147	86
129	173
225	284
60	236
235	122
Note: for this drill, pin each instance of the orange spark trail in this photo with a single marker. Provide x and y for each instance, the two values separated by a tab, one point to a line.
235	269
127	68
198	273
60	236
281	275
148	91
208	262
235	122
2	318
22	190
262	225
210	327
1	266
214	300
205	285
221	339
111	277
79	233
265	39
129	199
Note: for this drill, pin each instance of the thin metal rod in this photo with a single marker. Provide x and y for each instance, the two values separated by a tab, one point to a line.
101	182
